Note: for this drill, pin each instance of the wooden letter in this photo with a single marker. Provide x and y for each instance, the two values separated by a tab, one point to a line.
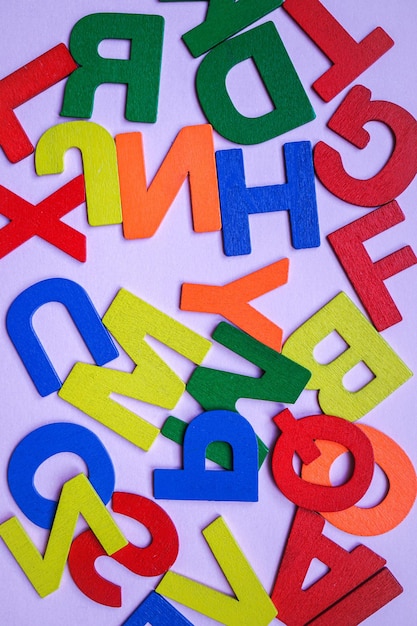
297	196
232	301
219	452
191	155
362	602
23	85
367	277
225	19
130	319
282	379
251	604
43	220
298	436
349	58
157	611
365	345
291	105
397	502
194	481
140	72
348	570
39	446
77	498
349	120
151	560
84	315
99	163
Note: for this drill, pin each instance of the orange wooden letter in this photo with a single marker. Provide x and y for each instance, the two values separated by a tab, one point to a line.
232	301
192	155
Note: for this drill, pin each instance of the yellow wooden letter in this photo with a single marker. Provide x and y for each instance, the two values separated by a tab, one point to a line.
88	387
99	157
365	345
251	607
77	498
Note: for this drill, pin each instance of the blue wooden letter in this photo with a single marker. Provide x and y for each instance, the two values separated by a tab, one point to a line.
155	610
297	196
195	482
43	443
84	315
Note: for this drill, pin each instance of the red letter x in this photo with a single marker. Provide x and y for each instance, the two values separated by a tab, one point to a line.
43	219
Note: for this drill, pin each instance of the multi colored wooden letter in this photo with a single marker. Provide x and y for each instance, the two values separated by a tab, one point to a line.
396	503
77	498
151	560
219	452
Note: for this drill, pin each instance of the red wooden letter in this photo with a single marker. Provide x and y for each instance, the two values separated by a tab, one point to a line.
298	437
349	58
22	85
363	602
348	585
152	560
356	110
367	277
43	220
